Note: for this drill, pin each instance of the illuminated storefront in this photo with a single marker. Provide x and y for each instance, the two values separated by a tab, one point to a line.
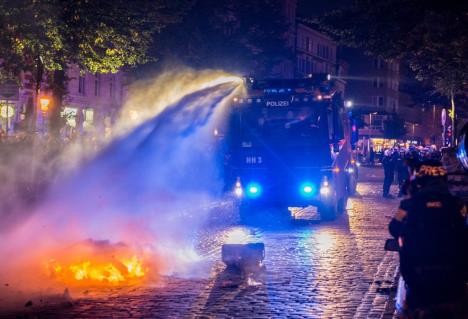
78	120
7	114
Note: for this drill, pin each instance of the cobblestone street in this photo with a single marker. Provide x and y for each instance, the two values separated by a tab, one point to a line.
319	270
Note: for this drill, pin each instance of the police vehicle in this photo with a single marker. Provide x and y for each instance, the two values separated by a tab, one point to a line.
288	145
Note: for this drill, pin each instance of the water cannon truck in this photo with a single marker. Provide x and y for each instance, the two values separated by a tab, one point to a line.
287	145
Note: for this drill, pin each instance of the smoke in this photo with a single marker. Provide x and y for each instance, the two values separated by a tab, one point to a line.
147	190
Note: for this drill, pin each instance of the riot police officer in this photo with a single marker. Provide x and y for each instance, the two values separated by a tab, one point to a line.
431	229
388	164
403	171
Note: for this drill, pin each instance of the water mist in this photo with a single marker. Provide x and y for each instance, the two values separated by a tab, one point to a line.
141	198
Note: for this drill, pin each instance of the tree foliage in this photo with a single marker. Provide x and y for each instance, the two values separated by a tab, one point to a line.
431	35
242	36
44	37
97	35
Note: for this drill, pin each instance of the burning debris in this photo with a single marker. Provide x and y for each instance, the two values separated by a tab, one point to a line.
97	262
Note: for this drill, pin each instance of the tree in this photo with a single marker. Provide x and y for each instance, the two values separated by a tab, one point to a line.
241	36
430	35
45	36
394	127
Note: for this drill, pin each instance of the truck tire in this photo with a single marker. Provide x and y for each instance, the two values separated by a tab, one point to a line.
329	211
352	185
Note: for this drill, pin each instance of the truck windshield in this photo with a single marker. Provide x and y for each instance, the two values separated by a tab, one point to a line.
281	127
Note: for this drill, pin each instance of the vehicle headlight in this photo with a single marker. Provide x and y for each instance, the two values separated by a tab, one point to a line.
325	187
307	189
325	190
238	191
254	190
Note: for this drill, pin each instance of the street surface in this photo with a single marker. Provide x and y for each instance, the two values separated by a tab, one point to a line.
312	270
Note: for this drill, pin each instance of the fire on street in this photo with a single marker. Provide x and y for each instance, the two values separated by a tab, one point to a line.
332	269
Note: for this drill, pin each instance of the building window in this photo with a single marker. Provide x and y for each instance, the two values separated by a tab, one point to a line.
374	121
323	51
69	114
318	67
378	100
81	85
88	118
97	84
378	63
378	83
381	101
394	66
308	65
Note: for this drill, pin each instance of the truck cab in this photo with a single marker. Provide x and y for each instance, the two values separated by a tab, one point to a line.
288	146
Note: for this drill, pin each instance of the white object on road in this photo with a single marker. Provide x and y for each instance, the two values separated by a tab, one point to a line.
400	296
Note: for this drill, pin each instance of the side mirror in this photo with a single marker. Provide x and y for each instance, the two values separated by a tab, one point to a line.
392	245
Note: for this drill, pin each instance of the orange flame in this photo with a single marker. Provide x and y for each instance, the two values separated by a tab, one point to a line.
116	271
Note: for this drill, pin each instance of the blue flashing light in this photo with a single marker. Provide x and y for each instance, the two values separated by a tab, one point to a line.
254	190
308	189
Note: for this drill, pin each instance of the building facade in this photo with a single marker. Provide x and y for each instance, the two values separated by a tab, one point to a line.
90	105
373	87
311	51
93	101
315	52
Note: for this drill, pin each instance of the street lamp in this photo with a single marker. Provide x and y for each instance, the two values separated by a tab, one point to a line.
44	102
349	103
414	126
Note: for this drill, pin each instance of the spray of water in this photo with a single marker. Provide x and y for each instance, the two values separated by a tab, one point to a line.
139	201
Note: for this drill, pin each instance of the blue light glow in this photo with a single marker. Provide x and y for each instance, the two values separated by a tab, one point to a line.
254	190
308	189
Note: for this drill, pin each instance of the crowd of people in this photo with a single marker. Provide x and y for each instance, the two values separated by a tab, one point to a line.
401	162
431	230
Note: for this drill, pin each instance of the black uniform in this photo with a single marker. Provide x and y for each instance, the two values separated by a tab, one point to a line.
402	172
433	255
389	172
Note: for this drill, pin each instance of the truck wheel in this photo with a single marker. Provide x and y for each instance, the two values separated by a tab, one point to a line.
352	185
329	211
342	203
